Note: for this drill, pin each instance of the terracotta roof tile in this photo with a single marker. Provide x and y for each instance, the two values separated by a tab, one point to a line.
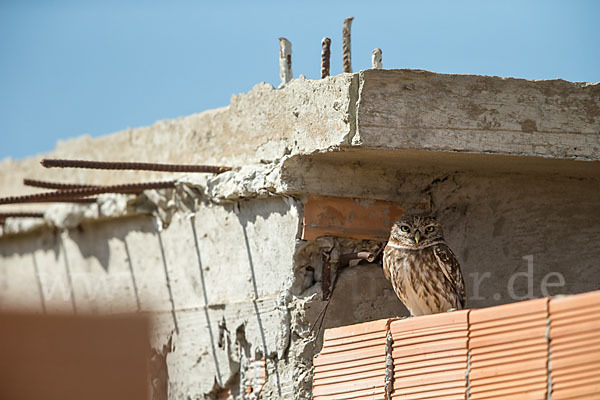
574	302
398	392
508	342
341	362
416	367
366	354
501	384
424	349
352	363
354	385
446	393
351	331
521	346
585	392
352	346
356	376
356	338
435	321
575	346
529	391
504	351
360	368
377	393
430	356
513	310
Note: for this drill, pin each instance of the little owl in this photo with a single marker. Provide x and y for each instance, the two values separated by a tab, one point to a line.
423	270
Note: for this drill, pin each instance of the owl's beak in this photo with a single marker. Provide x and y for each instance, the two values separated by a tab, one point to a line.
417	237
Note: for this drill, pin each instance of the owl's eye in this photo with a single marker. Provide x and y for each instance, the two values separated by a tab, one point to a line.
429	229
405	228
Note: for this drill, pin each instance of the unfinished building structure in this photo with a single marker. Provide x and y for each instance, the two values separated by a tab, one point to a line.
230	266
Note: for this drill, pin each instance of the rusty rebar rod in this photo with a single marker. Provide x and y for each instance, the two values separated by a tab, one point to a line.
77	194
57	199
328	286
54	163
55	185
5	215
74	200
346	33
54	199
326	277
325	56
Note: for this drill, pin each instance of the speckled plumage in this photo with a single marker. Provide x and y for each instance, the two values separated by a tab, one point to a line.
424	272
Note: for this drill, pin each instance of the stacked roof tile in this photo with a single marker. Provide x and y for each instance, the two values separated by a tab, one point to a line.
575	346
508	350
537	349
430	356
352	363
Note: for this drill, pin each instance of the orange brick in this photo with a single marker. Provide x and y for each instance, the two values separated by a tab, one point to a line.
347	217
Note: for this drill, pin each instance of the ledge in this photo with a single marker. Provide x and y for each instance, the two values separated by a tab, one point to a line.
395	117
421	110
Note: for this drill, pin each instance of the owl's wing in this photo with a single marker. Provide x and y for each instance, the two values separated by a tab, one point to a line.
386	263
451	269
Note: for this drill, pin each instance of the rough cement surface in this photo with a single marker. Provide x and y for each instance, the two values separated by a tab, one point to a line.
248	182
227	286
264	124
492	219
381	109
218	263
251	181
414	109
212	281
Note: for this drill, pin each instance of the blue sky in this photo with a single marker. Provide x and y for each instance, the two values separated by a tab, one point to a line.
69	68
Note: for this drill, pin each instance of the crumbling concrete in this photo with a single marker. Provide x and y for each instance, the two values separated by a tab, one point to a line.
401	109
510	167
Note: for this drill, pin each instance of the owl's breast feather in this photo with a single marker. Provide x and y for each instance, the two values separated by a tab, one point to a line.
415	277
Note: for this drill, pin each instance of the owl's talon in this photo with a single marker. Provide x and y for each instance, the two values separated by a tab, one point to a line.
452	309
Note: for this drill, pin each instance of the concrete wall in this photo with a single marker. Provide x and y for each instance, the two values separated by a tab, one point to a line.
264	124
219	262
205	279
469	113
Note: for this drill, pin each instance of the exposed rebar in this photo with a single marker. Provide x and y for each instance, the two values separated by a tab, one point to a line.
58	199
344	260
75	195
376	59
346	44
55	185
55	163
285	61
5	215
328	286
326	276
74	200
325	56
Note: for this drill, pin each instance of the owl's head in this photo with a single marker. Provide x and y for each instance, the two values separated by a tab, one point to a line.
417	231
